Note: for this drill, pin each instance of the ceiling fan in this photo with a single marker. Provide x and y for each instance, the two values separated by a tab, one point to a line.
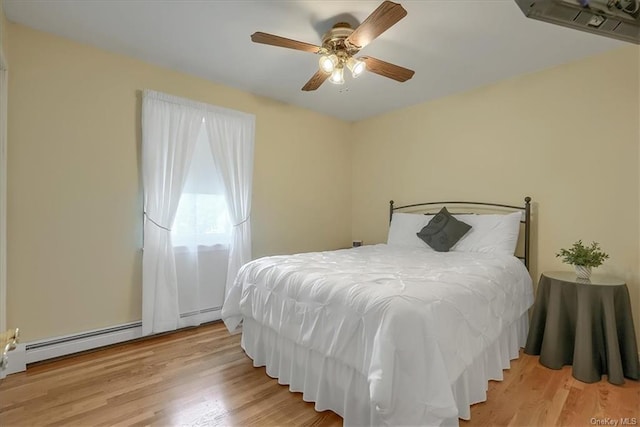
341	43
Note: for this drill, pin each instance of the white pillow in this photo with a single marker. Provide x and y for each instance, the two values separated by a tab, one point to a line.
490	233
404	228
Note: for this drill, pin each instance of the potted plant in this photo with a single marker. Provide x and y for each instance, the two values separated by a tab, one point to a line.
583	258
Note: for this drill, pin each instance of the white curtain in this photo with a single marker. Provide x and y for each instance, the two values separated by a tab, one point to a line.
231	135
169	133
178	276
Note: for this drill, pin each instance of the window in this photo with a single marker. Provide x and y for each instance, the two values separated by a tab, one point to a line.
202	218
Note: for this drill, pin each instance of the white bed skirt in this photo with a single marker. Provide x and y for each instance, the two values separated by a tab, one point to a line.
340	388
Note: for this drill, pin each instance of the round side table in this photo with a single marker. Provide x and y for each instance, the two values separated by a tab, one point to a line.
584	323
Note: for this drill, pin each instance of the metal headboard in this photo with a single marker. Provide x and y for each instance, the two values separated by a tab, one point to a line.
526	209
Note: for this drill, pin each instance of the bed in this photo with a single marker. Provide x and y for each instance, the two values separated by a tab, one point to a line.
395	333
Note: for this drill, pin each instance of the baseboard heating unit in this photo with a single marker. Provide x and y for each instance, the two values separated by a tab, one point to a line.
37	351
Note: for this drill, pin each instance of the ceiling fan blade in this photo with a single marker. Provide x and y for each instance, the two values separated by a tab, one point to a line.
387	69
314	82
264	38
383	18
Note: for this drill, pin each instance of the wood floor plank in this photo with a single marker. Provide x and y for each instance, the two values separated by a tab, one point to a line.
201	377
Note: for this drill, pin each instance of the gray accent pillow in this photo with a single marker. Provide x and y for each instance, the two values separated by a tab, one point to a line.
443	231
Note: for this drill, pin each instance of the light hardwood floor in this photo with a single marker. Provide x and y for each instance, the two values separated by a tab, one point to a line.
202	377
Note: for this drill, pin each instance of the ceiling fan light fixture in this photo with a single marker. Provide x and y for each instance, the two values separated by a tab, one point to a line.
328	63
337	76
356	67
342	42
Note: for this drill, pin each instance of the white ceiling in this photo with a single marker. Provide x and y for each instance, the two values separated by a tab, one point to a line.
453	45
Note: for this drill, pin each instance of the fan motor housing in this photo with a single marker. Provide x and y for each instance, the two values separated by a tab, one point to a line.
334	39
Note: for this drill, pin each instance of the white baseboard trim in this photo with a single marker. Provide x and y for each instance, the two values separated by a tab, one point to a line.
61	346
37	351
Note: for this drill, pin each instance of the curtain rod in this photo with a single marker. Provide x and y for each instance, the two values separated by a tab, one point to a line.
185	102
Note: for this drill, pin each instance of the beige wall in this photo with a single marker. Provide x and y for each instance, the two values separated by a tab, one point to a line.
74	220
567	137
4	29
4	48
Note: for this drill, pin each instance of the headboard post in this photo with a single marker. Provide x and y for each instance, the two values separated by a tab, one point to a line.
527	229
390	210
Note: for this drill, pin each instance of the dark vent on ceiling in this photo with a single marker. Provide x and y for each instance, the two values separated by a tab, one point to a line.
610	25
565	13
627	30
598	18
583	18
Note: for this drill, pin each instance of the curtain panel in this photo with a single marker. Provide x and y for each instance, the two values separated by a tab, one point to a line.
169	132
231	136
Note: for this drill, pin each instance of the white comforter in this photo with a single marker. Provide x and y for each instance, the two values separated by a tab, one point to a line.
409	320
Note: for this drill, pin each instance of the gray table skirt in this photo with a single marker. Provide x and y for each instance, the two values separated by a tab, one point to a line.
587	326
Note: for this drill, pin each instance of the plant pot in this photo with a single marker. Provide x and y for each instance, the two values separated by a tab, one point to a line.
582	272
